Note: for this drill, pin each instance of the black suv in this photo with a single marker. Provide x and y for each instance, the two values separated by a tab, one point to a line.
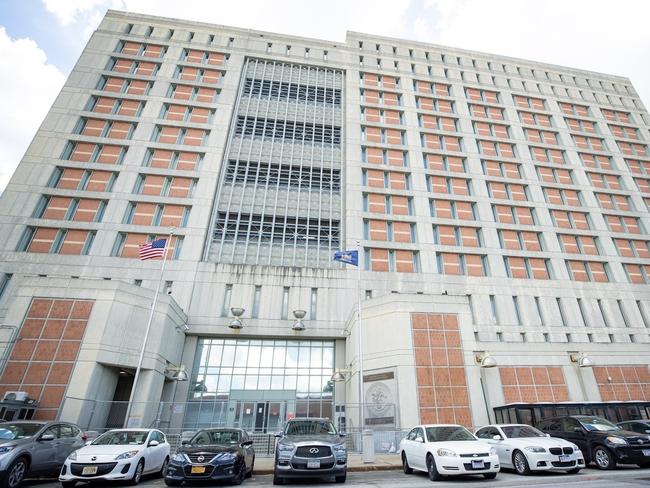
600	440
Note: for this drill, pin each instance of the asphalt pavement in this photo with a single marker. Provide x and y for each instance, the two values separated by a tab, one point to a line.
623	477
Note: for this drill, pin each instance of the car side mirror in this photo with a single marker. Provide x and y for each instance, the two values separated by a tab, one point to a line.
277	434
497	437
184	442
87	443
46	437
342	434
419	439
547	435
246	443
153	444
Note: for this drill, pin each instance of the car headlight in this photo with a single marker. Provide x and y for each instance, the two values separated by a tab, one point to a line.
339	449
616	440
73	456
534	449
446	453
493	451
575	447
5	449
285	447
179	457
224	457
127	455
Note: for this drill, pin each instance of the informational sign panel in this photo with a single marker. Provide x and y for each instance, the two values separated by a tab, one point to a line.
380	395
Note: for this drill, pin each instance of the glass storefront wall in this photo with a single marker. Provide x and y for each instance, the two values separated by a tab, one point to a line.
257	384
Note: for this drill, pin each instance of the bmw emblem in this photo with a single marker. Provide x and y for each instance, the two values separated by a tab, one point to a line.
200	459
314	450
475	455
94	458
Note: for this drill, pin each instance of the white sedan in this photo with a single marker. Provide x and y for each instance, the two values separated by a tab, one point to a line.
527	449
447	450
118	455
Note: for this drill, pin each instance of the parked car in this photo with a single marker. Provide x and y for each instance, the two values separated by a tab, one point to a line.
213	454
600	441
640	426
446	450
118	455
29	448
310	448
527	449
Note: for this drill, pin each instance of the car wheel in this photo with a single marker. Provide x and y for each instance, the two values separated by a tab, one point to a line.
163	468
241	476
603	458
16	472
520	463
573	471
342	478
173	483
250	473
277	480
489	476
432	470
405	465
137	474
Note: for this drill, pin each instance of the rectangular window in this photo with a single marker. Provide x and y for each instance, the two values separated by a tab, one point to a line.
515	302
539	311
601	309
227	294
621	309
560	308
583	312
284	314
5	278
313	302
639	305
257	294
493	310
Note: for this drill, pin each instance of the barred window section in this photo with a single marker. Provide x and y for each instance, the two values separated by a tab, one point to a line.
283	175
291	91
288	129
240	228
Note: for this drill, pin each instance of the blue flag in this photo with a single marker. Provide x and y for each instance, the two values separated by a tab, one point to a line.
347	257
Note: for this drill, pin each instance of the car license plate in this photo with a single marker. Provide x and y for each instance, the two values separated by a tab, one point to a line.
198	469
565	458
313	464
478	464
646	452
88	470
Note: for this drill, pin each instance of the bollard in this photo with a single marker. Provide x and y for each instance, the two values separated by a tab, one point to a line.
368	446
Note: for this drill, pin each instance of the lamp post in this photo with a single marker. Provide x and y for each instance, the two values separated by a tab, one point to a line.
581	360
484	361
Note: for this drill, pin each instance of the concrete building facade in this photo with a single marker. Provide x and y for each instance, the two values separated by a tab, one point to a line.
500	206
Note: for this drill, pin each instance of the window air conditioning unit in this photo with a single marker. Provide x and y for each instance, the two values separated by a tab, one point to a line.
16	396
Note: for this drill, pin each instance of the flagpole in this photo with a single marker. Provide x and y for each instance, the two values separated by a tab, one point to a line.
146	334
360	343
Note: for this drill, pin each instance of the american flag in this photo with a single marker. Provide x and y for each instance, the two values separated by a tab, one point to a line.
153	249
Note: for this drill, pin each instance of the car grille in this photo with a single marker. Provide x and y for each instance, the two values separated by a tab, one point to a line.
102	468
468	467
634	442
556	451
480	454
304	451
207	457
300	464
563	464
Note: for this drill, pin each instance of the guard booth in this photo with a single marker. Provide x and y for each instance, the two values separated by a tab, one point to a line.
16	405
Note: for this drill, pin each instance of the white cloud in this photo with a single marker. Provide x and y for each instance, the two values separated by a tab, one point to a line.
69	11
28	87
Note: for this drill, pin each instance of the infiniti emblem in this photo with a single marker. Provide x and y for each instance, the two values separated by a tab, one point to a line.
200	459
94	458
314	450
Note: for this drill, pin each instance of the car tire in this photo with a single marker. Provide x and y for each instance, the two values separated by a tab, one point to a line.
520	463
489	476
405	465
432	470
137	474
68	484
163	468
574	471
341	478
15	473
603	458
250	473
277	480
173	483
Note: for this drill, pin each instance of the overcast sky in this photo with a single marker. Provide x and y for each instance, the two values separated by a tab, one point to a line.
40	40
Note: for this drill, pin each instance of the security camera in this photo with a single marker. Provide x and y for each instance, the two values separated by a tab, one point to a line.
169	292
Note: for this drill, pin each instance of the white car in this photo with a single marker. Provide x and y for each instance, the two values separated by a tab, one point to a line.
527	449
447	450
118	455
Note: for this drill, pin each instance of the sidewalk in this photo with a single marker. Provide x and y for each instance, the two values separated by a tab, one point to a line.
383	462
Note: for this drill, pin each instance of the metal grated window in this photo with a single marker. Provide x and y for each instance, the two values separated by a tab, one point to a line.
288	129
292	176
288	91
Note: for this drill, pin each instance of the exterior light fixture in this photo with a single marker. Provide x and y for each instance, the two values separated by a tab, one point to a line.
298	324
176	373
236	324
339	375
581	360
485	360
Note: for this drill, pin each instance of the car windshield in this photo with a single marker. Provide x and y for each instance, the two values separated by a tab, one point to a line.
514	431
212	437
121	438
449	433
310	427
18	431
597	424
